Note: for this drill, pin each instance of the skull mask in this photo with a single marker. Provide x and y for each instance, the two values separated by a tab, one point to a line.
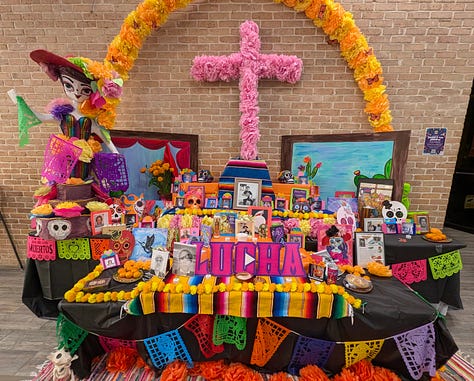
286	177
59	229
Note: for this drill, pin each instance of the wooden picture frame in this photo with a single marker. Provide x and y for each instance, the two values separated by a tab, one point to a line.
422	223
142	148
295	147
370	247
247	192
99	220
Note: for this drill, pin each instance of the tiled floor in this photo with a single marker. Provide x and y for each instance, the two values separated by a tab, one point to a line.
26	340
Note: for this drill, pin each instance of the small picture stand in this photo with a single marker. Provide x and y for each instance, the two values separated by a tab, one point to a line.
422	223
109	259
99	220
211	203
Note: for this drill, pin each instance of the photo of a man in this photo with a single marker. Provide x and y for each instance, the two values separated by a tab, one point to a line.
184	259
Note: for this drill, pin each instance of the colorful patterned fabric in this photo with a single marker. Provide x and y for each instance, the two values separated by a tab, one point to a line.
246	304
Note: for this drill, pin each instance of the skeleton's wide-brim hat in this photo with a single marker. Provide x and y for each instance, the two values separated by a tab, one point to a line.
49	62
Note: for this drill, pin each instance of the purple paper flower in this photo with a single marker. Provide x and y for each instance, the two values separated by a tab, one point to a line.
110	89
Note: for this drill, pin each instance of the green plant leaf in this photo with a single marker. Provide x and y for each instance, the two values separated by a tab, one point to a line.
388	169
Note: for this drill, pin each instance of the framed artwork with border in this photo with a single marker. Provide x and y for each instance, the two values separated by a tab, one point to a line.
244	227
363	154
373	224
109	260
247	192
296	237
99	220
390	228
281	203
262	215
370	247
211	203
422	223
159	261
184	259
297	193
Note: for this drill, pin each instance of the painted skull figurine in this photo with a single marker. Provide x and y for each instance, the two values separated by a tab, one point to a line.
122	243
301	205
205	176
286	177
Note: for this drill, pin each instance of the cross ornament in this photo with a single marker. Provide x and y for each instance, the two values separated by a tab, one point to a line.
248	66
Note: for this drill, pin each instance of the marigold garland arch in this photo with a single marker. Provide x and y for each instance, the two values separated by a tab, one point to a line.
330	16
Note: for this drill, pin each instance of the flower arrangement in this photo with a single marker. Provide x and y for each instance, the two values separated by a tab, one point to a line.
161	176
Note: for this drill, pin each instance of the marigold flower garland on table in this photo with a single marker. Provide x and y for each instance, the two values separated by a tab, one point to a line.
76	293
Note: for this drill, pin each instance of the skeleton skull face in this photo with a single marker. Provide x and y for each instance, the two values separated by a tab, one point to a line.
39	227
117	212
193	202
59	229
123	244
286	177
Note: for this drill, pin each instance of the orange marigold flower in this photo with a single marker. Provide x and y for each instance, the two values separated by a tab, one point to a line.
312	373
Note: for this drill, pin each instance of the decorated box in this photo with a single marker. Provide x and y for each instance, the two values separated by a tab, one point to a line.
70	192
58	228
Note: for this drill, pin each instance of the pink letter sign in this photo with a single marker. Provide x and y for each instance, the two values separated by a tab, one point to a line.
292	265
221	258
245	254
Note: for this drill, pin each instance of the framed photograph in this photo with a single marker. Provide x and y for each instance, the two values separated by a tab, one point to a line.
422	223
390	228
159	261
296	237
262	218
369	248
179	202
408	228
297	193
247	192
211	203
184	259
267	201
198	190
131	220
373	224
109	260
371	194
281	203
244	227
189	235
99	220
227	222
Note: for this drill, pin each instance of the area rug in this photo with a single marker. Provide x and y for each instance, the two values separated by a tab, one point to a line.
456	369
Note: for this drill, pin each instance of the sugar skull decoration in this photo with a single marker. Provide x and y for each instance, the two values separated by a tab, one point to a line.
394	210
205	176
193	199
122	242
345	215
286	177
117	211
134	204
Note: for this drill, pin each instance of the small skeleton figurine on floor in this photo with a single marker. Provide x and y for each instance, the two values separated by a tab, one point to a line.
62	360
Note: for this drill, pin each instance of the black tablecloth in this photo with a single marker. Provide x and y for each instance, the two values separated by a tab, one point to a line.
45	283
391	309
446	289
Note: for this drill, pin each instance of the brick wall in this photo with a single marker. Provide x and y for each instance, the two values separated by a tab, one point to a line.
425	48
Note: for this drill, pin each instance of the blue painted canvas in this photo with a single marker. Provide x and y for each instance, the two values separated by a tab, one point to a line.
146	239
341	162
